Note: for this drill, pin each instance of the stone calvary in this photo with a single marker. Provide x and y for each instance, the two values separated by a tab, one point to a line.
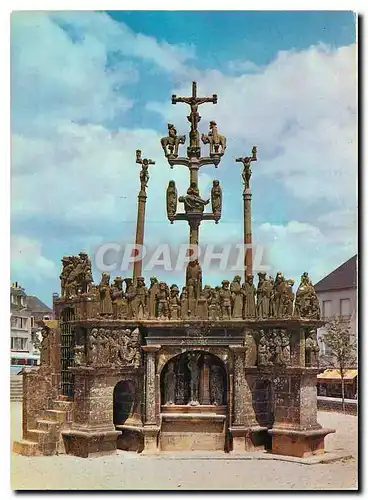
152	367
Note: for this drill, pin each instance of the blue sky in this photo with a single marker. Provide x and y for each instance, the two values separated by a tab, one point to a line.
88	88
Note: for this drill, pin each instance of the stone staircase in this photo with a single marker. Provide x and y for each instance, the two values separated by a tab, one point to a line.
46	438
16	388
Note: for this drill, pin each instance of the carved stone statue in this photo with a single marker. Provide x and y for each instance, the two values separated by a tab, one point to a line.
263	350
141	298
79	357
213	305
250	349
45	351
174	302
249	298
306	300
216	200
170	385
130	294
216	385
279	286
285	346
236	298
192	289
287	299
311	348
247	172
192	201
162	301
152	297
170	144
117	298
216	141
184	303
105	295
194	378
225	300
194	272
64	276
202	306
277	346
263	296
93	347
171	200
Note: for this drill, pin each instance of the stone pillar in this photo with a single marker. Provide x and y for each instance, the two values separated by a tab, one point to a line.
151	427
248	256
296	431
244	427
92	431
139	238
204	396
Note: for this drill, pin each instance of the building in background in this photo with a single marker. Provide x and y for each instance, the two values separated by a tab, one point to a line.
337	294
25	312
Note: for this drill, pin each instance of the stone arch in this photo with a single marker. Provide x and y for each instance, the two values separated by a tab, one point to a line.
165	357
123	401
212	378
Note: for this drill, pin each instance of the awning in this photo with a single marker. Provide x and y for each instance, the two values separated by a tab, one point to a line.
335	375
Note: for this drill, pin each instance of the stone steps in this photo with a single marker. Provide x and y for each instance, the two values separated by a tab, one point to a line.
26	448
16	388
46	438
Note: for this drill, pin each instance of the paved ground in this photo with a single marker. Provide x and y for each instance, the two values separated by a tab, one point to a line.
129	471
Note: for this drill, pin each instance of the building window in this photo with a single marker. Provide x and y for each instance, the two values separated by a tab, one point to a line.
327	308
345	307
19	344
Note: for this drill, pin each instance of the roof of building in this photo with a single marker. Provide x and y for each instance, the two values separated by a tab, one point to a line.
34	304
335	375
344	276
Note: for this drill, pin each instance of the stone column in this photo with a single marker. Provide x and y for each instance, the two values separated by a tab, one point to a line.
244	427
139	238
92	431
150	428
248	255
296	431
204	396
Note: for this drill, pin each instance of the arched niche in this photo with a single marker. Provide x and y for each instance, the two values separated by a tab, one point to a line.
194	377
124	397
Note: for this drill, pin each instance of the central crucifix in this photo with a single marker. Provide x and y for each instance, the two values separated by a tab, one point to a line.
194	204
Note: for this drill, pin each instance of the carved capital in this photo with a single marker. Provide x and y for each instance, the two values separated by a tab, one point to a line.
238	349
151	348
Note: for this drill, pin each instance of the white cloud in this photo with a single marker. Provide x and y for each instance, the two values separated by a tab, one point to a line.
28	260
297	247
301	112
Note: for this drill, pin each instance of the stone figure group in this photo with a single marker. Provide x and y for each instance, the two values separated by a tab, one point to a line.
174	383
123	299
274	348
114	347
76	275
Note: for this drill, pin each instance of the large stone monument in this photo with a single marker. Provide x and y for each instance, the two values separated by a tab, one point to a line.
231	367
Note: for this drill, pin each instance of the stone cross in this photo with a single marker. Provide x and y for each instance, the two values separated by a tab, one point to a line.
194	116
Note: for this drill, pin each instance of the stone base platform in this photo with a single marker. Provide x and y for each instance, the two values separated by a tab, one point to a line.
298	443
327	457
85	444
249	438
131	438
190	428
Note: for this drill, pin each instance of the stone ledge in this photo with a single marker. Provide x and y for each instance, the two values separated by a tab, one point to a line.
327	457
192	416
300	432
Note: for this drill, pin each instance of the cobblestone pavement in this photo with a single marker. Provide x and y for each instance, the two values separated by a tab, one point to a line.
130	471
